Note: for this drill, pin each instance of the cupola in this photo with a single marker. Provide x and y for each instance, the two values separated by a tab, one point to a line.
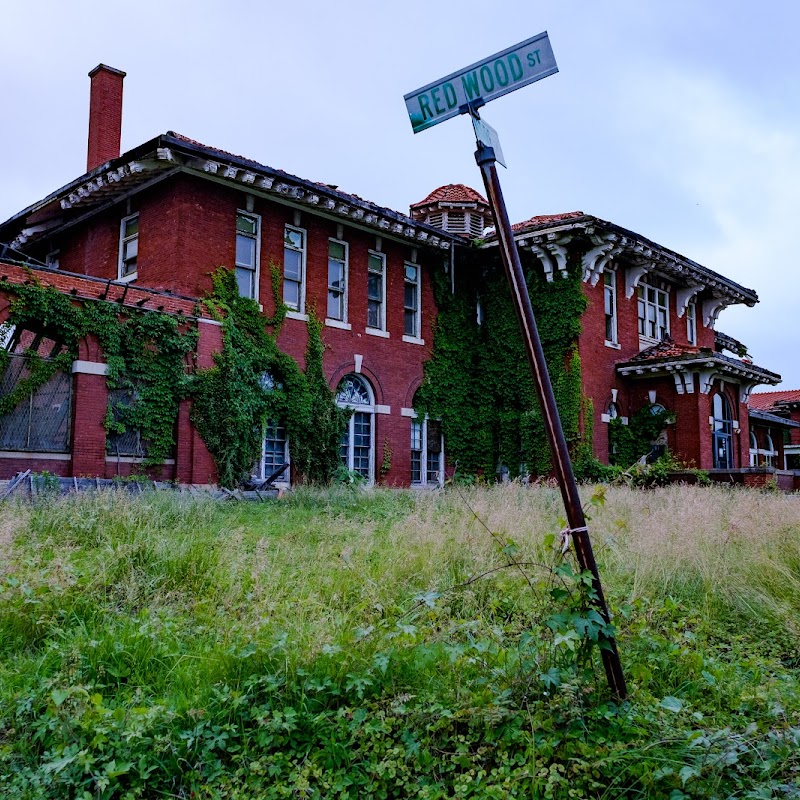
454	208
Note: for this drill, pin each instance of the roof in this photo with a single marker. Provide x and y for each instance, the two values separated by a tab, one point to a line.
766	401
173	152
667	349
772	419
668	357
452	193
610	241
545	219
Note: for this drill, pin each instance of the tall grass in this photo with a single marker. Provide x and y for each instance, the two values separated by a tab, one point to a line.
128	622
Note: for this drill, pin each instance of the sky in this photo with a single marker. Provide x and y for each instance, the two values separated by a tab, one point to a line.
679	120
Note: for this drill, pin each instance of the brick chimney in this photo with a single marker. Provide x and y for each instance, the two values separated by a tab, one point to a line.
105	115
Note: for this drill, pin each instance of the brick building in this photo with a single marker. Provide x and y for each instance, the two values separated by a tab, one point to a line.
146	228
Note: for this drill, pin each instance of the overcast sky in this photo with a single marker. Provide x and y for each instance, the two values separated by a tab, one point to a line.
678	120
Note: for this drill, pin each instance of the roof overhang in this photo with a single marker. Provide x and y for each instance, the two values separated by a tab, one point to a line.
608	242
772	419
168	154
708	367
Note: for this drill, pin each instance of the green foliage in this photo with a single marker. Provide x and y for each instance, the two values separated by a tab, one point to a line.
232	402
478	379
146	353
632	441
344	644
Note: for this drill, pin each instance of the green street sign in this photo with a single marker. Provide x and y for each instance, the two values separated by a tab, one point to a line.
481	82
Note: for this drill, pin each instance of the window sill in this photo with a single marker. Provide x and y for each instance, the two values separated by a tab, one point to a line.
128	278
413	340
646	341
613	345
377	332
136	460
337	323
297	315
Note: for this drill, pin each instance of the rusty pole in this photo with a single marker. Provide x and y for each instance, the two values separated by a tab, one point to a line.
485	158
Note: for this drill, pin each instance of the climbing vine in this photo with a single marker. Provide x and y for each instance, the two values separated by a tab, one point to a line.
632	441
145	351
253	381
478	379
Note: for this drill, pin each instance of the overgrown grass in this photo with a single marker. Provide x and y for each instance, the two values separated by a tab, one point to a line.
343	644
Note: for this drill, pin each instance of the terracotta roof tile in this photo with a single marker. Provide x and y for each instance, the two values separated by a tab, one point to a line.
765	401
544	219
452	193
666	349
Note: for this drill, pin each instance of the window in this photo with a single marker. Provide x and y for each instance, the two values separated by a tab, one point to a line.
769	453
337	280
40	422
274	453
248	233
376	287
427	451
411	301
274	446
294	267
610	294
722	430
691	323
53	259
128	442
753	450
128	247
653	312
356	446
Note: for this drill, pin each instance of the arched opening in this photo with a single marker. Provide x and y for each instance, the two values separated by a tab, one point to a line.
427	450
769	450
357	446
273	464
753	450
722	437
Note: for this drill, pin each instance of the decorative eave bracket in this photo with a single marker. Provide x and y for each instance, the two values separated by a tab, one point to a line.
683	297
711	309
552	254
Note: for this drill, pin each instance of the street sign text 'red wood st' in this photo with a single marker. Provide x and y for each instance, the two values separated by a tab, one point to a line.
481	82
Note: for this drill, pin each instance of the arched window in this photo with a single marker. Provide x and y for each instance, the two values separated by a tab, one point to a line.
769	455
357	445
722	432
753	450
427	451
40	423
274	460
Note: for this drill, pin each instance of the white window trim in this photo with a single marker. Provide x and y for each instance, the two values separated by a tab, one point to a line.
53	258
423	471
122	240
614	340
370	409
345	292
416	338
376	332
283	482
644	285
257	276
691	322
298	313
382	330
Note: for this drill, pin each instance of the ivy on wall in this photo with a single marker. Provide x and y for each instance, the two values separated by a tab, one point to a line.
478	379
146	353
233	400
632	441
149	357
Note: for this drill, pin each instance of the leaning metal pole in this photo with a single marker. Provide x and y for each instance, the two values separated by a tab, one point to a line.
485	157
